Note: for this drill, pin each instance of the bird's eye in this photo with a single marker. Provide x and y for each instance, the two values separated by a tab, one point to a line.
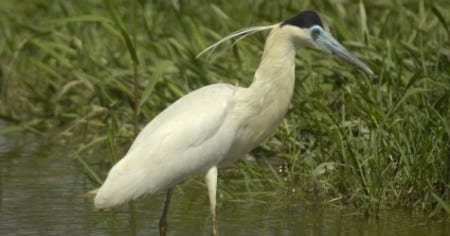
315	33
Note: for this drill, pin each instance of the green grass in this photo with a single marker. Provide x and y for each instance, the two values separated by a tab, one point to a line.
74	68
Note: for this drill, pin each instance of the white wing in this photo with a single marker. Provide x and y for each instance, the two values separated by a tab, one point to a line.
190	136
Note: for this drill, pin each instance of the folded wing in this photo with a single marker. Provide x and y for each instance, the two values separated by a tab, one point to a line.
188	137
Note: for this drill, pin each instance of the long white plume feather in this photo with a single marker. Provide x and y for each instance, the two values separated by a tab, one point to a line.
242	33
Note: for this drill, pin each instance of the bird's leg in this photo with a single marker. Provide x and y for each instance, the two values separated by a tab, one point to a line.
163	219
211	182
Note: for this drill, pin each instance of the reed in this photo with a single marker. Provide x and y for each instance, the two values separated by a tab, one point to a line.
97	71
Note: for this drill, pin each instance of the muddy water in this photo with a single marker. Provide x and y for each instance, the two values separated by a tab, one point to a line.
41	190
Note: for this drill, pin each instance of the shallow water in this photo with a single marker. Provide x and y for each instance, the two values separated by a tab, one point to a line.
41	193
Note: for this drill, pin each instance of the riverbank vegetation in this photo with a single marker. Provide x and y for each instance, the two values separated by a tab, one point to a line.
92	73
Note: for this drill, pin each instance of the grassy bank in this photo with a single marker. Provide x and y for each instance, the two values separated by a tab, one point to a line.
96	71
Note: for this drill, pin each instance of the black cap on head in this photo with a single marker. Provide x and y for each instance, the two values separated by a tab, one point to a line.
304	19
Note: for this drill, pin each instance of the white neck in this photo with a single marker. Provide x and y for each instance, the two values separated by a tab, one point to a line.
278	60
262	106
274	80
271	91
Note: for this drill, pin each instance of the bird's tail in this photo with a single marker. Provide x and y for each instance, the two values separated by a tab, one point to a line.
91	194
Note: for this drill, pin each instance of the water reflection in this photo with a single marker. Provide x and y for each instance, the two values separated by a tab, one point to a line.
41	190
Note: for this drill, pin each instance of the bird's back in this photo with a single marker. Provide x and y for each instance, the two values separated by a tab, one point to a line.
190	136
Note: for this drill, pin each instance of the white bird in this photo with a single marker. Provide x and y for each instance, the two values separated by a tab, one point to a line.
215	125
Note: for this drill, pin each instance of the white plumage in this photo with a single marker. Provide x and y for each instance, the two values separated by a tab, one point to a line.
188	137
215	125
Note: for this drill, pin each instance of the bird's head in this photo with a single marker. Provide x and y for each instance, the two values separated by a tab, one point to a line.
306	29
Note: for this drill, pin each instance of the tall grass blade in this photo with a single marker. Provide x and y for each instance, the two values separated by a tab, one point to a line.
89	172
123	31
445	205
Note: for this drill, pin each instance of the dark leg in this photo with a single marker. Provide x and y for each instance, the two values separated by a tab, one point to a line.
132	220
163	219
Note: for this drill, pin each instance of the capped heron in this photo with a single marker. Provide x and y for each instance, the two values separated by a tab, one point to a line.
215	125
